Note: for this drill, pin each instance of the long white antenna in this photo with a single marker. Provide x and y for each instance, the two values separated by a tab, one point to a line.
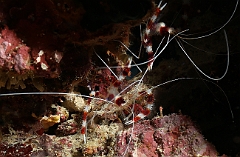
211	78
207	35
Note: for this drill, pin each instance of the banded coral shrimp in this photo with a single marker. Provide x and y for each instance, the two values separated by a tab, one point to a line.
95	99
215	112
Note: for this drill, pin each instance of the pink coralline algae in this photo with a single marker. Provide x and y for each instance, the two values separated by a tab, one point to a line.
169	136
173	135
14	54
20	61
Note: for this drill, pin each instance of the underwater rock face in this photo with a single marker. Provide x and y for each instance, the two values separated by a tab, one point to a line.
14	60
173	135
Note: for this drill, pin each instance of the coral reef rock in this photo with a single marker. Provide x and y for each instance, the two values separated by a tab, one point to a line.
173	135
